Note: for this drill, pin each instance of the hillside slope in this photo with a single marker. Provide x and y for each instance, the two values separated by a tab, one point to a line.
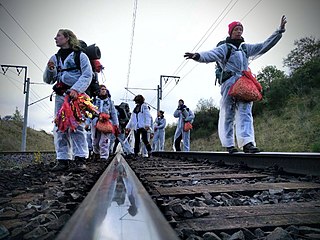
11	137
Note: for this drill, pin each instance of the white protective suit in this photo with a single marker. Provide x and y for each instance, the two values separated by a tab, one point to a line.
159	134
101	141
70	144
234	112
184	115
138	122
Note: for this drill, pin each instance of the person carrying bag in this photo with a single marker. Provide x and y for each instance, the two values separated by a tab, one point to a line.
235	116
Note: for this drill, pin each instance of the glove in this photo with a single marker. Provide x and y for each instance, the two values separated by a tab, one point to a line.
193	56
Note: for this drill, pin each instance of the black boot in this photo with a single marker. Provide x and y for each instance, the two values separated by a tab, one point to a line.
95	157
232	150
80	164
250	148
61	165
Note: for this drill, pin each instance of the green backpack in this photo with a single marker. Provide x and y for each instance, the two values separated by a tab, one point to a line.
221	75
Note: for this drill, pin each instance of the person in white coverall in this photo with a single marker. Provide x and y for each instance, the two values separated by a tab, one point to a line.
235	113
185	115
69	145
159	132
100	140
140	122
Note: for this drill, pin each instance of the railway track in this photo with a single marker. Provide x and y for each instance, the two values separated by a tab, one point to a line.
201	195
206	195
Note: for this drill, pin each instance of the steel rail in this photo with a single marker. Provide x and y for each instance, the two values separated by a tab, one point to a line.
104	214
295	163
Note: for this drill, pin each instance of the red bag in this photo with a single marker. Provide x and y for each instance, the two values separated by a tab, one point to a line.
187	126
246	88
103	124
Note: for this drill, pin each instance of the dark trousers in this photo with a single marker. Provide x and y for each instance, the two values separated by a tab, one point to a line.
177	143
144	136
115	145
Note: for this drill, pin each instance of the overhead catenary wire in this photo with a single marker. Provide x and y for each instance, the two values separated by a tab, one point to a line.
208	37
33	95
24	30
205	36
131	44
43	105
202	40
20	49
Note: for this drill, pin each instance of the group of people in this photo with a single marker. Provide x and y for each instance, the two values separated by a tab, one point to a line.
235	117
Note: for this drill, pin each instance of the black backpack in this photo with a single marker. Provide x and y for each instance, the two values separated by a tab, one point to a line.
93	53
222	75
124	114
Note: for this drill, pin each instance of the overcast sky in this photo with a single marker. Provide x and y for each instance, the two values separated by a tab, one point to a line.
164	30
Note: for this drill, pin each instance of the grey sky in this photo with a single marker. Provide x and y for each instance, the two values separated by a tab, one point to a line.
164	30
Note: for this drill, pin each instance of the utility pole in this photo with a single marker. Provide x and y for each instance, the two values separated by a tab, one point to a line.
128	89
26	88
164	78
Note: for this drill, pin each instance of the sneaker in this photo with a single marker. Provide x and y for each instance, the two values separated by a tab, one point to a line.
232	150
149	154
250	148
61	165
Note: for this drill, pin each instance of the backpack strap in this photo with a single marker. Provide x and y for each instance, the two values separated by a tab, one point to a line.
244	49
58	62
77	59
228	52
222	66
76	56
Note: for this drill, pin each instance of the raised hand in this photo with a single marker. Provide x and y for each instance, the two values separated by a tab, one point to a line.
283	22
193	56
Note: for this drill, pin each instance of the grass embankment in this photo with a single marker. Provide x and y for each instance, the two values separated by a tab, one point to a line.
11	137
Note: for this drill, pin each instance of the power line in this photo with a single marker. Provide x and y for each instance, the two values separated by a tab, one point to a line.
251	10
211	33
11	79
181	79
203	39
200	43
23	30
44	106
131	44
207	33
20	49
216	25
